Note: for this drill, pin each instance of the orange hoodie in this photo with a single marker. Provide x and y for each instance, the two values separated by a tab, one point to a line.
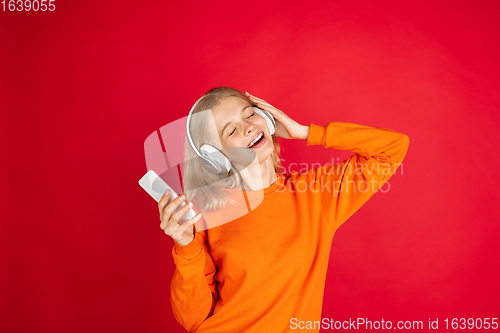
265	271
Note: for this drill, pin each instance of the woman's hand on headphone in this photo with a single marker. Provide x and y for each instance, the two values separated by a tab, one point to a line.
286	127
182	234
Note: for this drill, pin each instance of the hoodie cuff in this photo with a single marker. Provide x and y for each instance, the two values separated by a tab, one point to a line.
316	135
188	251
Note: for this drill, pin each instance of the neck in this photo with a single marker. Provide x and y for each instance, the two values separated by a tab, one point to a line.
258	176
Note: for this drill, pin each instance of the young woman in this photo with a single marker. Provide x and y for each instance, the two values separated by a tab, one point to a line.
264	270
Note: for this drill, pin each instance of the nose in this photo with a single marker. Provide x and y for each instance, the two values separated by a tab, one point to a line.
250	129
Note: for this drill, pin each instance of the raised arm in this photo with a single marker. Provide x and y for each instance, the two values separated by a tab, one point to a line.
345	187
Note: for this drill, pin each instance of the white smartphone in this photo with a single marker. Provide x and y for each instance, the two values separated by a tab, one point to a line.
156	187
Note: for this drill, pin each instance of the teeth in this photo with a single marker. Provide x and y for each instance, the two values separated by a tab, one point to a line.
255	140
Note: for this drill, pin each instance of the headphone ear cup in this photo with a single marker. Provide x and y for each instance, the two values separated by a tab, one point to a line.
268	117
217	161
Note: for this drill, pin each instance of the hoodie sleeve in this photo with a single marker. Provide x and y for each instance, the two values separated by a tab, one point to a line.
346	186
193	287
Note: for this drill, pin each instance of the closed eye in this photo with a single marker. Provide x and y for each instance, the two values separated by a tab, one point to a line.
247	118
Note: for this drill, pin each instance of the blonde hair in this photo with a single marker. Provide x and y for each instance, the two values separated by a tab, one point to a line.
205	189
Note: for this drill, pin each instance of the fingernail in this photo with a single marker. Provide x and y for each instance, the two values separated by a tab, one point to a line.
198	216
190	204
182	197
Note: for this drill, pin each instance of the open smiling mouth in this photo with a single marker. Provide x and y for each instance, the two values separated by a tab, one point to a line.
259	142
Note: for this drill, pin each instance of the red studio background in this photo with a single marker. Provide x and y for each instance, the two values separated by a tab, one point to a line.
81	87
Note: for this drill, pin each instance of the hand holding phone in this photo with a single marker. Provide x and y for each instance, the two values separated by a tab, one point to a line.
177	217
170	216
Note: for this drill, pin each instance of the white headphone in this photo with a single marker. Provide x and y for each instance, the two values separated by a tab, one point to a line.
213	159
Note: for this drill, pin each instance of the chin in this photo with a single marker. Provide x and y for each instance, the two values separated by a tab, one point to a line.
266	153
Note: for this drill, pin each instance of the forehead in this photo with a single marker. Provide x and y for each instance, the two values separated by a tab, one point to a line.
227	107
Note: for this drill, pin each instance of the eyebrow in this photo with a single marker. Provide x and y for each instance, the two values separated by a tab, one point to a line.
229	123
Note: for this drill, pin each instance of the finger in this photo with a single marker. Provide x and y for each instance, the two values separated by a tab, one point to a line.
258	100
269	108
163	225
182	227
265	105
254	97
169	209
163	201
177	216
171	223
